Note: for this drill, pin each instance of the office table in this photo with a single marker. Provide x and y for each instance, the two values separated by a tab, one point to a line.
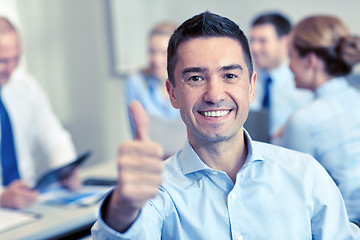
59	221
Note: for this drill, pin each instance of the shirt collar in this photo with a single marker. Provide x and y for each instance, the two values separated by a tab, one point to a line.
190	162
332	86
254	154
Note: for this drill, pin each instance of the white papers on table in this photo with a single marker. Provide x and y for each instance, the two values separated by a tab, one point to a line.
10	218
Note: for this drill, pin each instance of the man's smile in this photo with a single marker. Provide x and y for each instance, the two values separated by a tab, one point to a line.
216	113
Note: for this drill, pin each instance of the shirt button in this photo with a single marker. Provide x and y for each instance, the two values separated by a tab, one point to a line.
233	196
240	237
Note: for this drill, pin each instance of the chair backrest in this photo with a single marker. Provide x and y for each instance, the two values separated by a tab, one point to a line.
257	124
170	133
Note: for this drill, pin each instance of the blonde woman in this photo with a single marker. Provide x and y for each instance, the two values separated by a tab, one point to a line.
322	52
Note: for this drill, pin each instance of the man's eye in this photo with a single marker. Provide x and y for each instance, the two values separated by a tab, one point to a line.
262	41
230	76
195	78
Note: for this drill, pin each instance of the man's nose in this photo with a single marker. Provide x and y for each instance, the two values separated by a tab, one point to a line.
215	90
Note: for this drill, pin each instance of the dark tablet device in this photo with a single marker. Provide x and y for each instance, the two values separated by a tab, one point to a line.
95	181
60	173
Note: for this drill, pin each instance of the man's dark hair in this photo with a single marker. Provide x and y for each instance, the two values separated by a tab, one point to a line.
205	25
281	23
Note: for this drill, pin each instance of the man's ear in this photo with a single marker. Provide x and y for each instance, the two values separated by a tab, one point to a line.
252	87
171	91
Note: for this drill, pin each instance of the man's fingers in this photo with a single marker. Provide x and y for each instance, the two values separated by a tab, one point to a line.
18	195
148	149
140	120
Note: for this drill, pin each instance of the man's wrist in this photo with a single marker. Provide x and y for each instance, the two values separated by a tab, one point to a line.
117	216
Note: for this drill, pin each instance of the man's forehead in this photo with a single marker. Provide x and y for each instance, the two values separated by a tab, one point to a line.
266	29
209	45
201	52
9	39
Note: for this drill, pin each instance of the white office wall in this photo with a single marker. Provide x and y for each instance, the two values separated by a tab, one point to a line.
132	20
67	49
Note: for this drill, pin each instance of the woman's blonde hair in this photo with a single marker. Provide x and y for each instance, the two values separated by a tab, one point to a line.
330	39
163	28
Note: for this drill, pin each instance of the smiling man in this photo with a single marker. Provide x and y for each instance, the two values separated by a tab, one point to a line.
221	185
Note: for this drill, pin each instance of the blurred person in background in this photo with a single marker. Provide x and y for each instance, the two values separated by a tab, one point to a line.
29	128
148	86
275	88
322	53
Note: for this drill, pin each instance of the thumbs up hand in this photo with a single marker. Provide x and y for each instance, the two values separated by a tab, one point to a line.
140	120
140	168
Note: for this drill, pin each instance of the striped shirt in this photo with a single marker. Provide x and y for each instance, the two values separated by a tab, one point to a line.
278	194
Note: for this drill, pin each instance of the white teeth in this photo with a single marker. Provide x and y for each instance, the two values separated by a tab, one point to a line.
215	113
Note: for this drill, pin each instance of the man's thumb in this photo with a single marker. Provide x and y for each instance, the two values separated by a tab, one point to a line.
140	120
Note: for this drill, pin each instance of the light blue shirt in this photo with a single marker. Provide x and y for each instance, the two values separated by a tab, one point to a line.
278	194
146	90
285	98
329	129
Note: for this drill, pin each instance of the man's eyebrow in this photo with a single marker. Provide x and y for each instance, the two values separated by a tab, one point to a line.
231	67
193	70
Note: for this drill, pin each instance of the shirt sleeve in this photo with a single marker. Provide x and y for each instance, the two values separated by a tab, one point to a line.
146	226
329	217
101	230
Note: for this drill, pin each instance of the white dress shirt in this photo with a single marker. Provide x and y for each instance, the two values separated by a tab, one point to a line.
38	134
